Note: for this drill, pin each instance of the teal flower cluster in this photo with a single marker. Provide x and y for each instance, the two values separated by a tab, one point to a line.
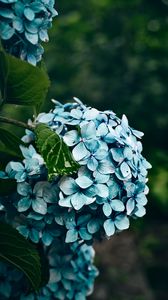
71	275
24	25
92	204
96	202
110	187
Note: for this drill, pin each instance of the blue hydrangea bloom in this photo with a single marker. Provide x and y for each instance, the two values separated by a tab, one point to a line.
111	182
71	275
24	25
108	189
98	201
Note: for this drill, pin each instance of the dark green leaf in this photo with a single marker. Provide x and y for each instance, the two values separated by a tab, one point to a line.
55	152
3	74
7	186
17	251
9	143
24	83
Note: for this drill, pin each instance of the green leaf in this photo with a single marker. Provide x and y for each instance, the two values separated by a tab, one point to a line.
3	75
17	251
55	152
7	186
21	83
9	143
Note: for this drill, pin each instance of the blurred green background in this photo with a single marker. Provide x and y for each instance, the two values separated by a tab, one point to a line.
113	54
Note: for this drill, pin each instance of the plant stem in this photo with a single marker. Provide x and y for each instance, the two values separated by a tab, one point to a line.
17	123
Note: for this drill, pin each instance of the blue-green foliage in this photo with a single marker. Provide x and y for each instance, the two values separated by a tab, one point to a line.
109	188
71	275
24	25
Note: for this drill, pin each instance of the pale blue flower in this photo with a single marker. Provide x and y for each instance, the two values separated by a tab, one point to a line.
120	222
95	156
76	192
82	141
136	198
77	230
81	115
28	137
24	25
32	230
32	198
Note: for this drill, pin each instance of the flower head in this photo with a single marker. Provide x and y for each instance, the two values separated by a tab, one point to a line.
24	25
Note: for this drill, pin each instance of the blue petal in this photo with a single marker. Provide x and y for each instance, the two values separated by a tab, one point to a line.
29	13
105	167
84	182
47	239
43	35
141	199
92	163
109	227
24	204
18	24
31	59
55	275
3	175
130	206
125	169
39	206
79	296
71	236
76	113
140	211
46	118
80	152
34	235
101	154
107	209
78	200
91	114
113	189
102	190
110	138
128	153
90	200
23	230
84	234
6	13
70	224
117	154
65	202
88	131
24	189
117	205
101	178
124	122
16	166
93	226
68	185
32	38
102	130
121	222
71	138
7	31
137	133
83	219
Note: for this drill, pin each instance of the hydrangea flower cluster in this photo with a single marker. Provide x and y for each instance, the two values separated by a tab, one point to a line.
96	202
109	188
72	275
24	25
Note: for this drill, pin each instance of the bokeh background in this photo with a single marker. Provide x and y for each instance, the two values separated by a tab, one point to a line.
113	54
